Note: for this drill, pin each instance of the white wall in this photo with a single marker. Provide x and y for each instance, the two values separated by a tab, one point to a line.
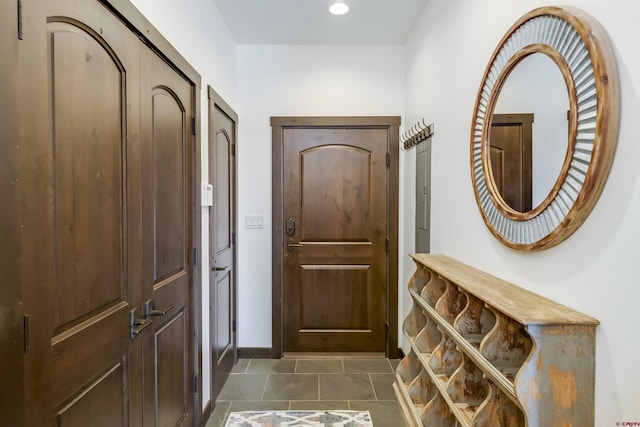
196	29
295	81
594	270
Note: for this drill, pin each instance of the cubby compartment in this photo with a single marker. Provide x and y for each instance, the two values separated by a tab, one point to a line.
507	346
432	292
428	338
498	411
451	303
419	280
408	369
437	413
475	321
468	389
445	359
421	390
485	353
414	322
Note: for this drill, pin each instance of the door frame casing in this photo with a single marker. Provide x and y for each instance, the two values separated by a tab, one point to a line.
278	125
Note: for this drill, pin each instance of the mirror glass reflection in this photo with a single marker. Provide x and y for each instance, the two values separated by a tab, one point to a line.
529	132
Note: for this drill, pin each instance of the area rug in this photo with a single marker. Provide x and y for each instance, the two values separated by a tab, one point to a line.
299	418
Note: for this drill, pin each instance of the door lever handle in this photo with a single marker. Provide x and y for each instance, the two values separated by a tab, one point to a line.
156	312
138	324
162	311
226	267
292	245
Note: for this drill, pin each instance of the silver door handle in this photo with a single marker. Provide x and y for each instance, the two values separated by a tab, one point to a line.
292	245
162	311
138	324
226	267
156	312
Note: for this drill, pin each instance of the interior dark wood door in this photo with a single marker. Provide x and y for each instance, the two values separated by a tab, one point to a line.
511	145
80	215
335	260
222	229
167	191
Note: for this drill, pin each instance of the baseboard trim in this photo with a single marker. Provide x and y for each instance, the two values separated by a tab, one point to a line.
255	353
267	353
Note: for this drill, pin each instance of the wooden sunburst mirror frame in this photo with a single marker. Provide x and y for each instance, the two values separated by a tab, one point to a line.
579	46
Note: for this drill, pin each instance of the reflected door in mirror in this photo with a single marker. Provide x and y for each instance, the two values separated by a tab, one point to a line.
510	146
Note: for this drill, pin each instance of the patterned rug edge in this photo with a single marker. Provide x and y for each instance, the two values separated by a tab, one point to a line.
337	418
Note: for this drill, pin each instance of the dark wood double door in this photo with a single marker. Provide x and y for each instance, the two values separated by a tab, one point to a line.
106	172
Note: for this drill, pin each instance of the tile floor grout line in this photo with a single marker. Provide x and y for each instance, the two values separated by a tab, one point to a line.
264	389
373	387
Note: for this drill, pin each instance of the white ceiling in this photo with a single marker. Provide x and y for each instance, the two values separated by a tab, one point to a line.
309	21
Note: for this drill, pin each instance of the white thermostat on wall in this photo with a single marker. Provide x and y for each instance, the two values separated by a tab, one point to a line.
207	194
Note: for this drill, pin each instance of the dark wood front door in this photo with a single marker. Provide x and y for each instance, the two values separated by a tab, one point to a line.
335	238
511	150
106	214
222	230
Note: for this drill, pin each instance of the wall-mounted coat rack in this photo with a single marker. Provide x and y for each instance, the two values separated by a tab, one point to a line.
416	134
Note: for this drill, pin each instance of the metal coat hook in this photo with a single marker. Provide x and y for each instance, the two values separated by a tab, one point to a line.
416	134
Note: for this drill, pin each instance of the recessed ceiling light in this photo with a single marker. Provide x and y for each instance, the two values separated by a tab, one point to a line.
338	8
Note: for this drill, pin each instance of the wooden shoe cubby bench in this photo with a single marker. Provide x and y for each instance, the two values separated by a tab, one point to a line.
487	353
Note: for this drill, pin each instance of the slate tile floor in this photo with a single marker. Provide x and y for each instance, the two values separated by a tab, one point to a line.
312	384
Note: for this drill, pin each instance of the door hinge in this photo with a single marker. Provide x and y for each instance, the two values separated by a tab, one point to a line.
233	150
233	326
195	383
25	322
233	238
193	126
195	256
388	159
19	19
386	332
387	242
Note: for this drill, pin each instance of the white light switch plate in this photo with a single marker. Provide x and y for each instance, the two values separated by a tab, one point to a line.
254	222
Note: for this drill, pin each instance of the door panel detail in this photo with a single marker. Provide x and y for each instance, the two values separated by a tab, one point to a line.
169	135
102	402
223	322
171	371
223	192
323	305
335	206
88	177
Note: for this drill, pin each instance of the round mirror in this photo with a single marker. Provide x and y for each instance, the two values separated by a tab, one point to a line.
528	139
545	42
